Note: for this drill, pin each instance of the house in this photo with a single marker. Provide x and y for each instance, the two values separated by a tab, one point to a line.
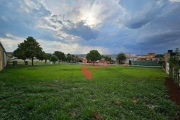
151	54
149	57
83	59
3	57
102	60
168	55
128	57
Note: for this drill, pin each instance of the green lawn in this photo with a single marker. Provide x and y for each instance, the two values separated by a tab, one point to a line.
61	92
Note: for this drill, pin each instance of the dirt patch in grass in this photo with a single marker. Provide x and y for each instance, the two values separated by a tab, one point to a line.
173	90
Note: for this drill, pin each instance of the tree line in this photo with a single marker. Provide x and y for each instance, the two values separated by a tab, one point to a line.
94	55
30	48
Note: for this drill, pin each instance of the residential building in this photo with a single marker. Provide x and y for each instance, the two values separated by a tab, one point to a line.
3	57
149	57
151	54
130	57
169	54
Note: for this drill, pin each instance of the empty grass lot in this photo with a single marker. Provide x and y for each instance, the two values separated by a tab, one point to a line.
61	92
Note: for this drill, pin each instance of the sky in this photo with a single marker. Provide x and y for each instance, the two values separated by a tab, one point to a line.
78	26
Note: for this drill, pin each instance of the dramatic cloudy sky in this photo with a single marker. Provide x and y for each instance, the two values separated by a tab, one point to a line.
78	26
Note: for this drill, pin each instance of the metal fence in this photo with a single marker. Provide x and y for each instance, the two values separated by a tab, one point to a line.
145	63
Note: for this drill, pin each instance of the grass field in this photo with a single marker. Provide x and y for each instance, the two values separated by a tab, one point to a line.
61	92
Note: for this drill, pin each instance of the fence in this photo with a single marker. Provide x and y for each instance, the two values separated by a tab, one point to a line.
145	63
174	74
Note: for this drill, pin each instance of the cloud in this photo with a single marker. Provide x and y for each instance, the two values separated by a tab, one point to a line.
138	15
165	37
110	26
137	23
11	42
21	18
82	30
174	0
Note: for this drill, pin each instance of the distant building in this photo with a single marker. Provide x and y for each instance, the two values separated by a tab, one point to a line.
84	60
113	57
151	54
130	57
3	57
169	54
149	57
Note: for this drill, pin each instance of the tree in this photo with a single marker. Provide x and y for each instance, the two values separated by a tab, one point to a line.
33	48
121	57
19	52
41	55
47	57
54	59
69	57
60	55
107	58
30	48
76	58
93	55
44	56
174	66
73	57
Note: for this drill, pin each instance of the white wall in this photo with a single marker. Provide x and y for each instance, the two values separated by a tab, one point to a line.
1	59
167	67
167	71
127	60
5	59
